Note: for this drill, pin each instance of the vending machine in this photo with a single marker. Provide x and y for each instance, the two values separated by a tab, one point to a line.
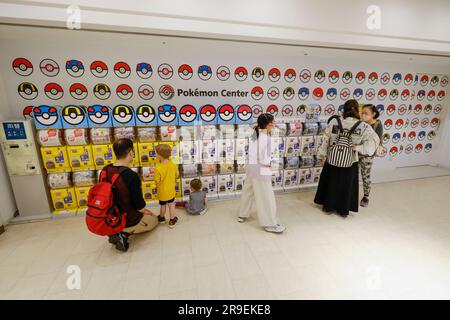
23	161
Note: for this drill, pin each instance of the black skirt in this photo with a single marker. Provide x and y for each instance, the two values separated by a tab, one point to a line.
338	189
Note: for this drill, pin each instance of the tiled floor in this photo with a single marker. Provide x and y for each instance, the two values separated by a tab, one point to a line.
399	247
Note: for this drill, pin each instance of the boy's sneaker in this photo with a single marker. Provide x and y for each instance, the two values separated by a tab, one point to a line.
278	228
122	242
204	211
113	238
364	202
172	222
161	219
240	219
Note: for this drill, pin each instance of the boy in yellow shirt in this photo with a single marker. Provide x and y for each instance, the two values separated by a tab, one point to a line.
166	173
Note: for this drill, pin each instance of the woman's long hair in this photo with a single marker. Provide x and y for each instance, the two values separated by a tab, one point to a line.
351	109
263	120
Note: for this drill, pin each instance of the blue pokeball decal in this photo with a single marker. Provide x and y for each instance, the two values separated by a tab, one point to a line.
75	68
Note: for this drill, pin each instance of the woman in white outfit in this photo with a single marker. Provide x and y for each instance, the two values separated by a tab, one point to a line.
257	191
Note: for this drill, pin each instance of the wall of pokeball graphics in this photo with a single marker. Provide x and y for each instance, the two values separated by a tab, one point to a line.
81	103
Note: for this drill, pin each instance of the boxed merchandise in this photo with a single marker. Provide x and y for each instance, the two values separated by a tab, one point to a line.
189	152
188	133
208	169
101	135
147	134
103	155
84	178
279	130
82	194
149	190
322	127
316	174
209	184
147	154
319	141
168	133
186	186
239	181
208	151
55	159
225	150
310	128
50	137
64	199
59	180
295	128
320	162
81	158
226	168
307	162
178	189
124	133
244	131
148	173
308	146
292	146
189	170
290	178
241	149
240	166
225	183
76	137
277	179
278	147
277	163
305	176
209	132
292	163
226	131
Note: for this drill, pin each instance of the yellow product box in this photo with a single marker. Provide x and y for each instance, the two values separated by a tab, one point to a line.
103	155
55	159
135	162
82	194
178	189
81	158
149	190
147	153
64	199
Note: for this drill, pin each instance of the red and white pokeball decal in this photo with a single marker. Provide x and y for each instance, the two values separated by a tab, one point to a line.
257	110
424	80
241	73
408	79
412	136
385	78
124	91
305	75
166	92
418	108
244	112
388	124
435	122
333	76
185	71
370	94
208	113
122	69
223	73
360	77
419	148
257	93
441	95
272	109
415	122
274	74
54	91
390	110
405	94
329	110
49	67
318	93
425	122
373	78
99	69
444	81
290	75
437	109
273	93
344	94
165	71
382	93
431	95
146	92
226	112
287	110
188	113
409	148
27	112
22	66
402	109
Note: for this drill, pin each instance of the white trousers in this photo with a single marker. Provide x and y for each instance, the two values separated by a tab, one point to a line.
259	194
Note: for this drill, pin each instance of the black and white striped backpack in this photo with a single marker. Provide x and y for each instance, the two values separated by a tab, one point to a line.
340	153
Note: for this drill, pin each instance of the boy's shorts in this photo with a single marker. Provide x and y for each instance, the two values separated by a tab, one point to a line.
163	203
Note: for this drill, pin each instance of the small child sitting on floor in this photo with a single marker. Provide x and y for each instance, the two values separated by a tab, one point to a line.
197	199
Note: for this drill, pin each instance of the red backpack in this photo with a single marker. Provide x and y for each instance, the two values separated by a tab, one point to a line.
102	216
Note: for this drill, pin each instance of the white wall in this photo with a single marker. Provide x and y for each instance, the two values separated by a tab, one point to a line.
406	25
